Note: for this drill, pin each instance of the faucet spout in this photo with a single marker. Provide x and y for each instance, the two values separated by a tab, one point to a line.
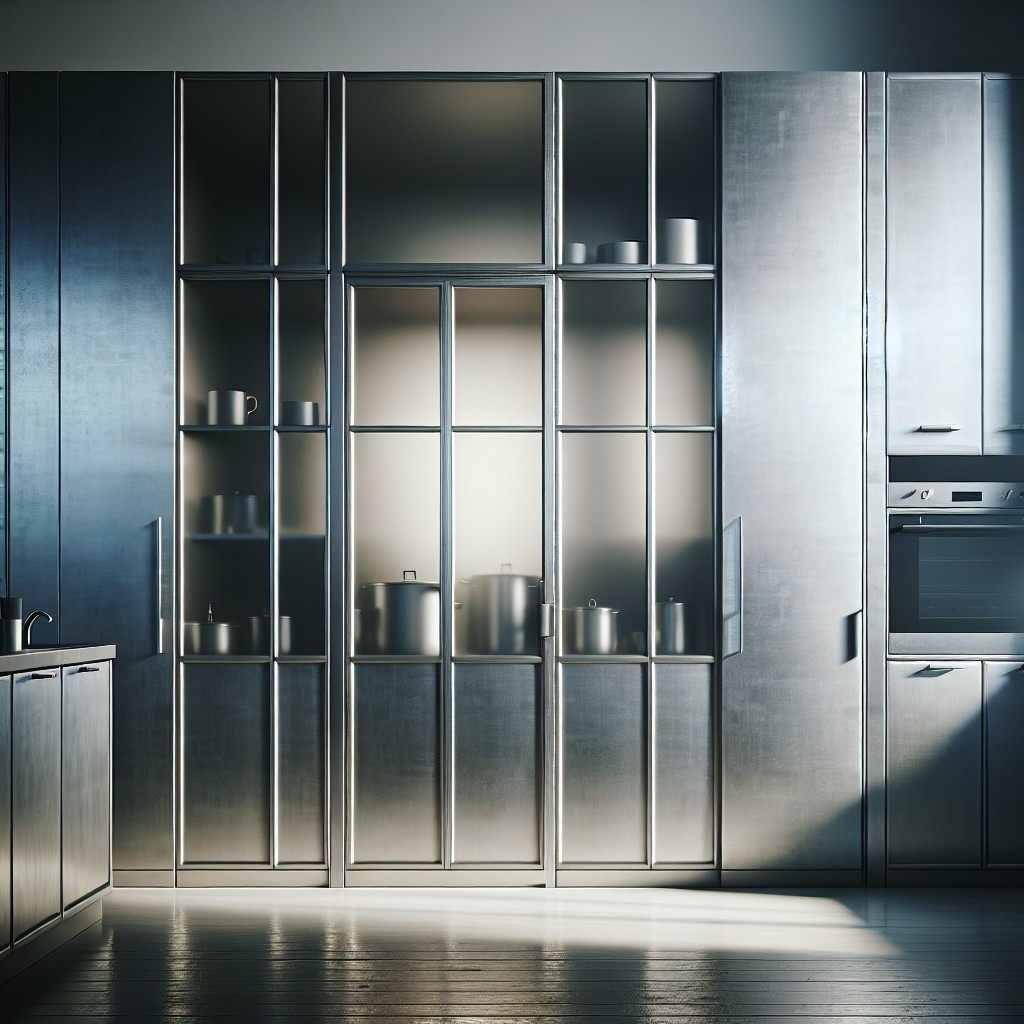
27	632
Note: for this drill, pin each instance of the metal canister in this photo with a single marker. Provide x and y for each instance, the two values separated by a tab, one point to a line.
591	629
401	617
502	611
670	627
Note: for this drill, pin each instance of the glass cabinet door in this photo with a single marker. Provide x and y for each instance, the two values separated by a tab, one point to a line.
446	462
637	153
445	171
253	422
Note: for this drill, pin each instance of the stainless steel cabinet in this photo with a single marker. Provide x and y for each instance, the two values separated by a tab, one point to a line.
226	766
1004	764
934	257
792	494
85	781
1003	232
934	756
5	819
396	759
636	788
36	800
117	311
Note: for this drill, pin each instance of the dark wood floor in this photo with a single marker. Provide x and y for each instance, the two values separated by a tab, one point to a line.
605	955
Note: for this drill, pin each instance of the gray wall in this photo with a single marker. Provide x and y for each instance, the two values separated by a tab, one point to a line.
512	35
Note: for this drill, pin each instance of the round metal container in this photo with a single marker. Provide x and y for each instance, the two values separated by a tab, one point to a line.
590	629
681	240
403	617
631	251
502	612
670	627
210	638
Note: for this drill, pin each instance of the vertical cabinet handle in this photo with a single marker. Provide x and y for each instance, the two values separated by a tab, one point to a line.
854	633
159	584
732	588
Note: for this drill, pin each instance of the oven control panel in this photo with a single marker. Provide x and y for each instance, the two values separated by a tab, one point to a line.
956	495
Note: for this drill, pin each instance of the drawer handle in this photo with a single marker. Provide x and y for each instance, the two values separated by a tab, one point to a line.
89	668
936	428
44	675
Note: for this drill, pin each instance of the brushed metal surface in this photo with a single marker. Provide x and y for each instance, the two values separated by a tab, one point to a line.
5	819
684	794
396	760
35	800
876	467
934	756
497	725
791	439
933	328
117	397
1004	763
33	343
603	765
301	764
1003	294
3	358
85	780
226	764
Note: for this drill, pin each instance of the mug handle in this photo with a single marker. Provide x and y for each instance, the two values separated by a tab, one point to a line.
255	405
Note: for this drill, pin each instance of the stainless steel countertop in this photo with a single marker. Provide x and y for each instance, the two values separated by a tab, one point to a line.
55	657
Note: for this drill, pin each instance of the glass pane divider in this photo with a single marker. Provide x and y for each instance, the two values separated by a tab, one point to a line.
447	555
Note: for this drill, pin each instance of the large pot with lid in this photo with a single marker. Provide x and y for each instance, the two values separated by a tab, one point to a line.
401	617
590	629
502	613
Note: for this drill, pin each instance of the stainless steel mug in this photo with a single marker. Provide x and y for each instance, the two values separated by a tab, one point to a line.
230	408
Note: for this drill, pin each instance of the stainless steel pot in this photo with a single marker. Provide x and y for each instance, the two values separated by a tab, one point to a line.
211	637
590	629
403	617
502	610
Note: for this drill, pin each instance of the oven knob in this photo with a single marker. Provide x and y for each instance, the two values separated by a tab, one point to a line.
1006	496
926	494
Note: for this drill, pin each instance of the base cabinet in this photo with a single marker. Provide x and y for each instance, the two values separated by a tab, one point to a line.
934	758
35	800
955	807
636	746
85	781
55	775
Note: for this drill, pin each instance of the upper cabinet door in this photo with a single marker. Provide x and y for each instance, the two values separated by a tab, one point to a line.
933	329
1004	250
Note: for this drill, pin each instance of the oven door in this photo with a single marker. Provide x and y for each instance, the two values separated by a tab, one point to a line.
956	584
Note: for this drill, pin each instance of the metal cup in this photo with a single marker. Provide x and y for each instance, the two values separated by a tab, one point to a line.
230	408
681	240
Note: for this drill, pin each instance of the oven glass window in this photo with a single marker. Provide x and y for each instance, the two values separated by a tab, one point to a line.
956	574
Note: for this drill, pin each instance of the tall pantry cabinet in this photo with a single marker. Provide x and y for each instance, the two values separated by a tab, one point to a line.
90	346
792	471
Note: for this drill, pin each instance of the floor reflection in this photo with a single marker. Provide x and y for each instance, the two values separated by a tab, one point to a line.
537	955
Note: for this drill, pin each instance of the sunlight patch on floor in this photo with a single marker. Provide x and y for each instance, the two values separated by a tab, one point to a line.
716	922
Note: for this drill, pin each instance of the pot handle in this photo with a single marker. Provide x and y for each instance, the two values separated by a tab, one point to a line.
408	574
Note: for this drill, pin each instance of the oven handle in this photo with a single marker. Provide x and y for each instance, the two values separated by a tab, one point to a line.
959	528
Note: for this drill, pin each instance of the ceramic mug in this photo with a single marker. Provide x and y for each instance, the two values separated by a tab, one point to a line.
230	408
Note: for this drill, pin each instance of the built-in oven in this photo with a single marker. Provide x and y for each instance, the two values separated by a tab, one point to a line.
956	569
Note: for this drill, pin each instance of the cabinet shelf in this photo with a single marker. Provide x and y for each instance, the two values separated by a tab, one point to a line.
226	659
218	537
201	428
700	271
250	271
306	537
319	428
